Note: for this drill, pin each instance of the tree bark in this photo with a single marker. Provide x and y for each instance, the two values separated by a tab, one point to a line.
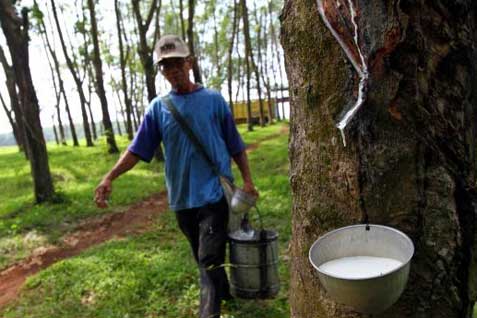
59	91
410	162
145	52
12	122
230	68
73	72
57	140
262	25
252	61
190	39
88	72
14	102
276	52
108	127
274	49
88	100
122	59
248	49
15	29
181	16
57	107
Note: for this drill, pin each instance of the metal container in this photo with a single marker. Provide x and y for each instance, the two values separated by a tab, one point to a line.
366	295
254	264
242	201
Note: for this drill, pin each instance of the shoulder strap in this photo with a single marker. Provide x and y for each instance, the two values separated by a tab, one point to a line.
188	131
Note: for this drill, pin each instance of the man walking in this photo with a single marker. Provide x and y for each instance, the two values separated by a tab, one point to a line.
194	189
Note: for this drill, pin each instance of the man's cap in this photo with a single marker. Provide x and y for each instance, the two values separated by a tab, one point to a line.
170	46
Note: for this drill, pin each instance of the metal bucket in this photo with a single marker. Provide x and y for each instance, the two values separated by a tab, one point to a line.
371	294
254	264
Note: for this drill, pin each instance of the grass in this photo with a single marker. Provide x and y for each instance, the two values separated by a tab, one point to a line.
76	172
151	275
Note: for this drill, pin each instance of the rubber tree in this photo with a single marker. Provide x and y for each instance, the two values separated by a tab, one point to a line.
410	159
15	29
144	49
79	87
190	42
108	127
123	60
55	67
10	82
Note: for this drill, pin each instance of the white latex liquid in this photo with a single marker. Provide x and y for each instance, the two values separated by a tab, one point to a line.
357	267
360	66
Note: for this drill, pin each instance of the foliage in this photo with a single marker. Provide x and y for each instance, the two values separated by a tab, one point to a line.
154	275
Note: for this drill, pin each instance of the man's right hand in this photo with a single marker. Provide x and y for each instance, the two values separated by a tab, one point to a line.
102	192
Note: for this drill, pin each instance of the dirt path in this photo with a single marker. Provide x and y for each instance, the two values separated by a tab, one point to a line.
137	218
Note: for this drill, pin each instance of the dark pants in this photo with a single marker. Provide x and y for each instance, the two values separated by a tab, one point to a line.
206	230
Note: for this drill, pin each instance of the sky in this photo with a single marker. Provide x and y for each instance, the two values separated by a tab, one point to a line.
42	78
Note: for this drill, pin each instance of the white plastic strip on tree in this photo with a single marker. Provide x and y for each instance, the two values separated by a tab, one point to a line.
360	66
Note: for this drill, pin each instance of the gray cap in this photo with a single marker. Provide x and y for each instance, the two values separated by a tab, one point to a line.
170	46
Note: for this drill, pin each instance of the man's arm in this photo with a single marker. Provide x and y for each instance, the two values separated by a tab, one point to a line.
242	162
127	161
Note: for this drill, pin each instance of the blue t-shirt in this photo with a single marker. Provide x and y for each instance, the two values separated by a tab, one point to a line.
190	180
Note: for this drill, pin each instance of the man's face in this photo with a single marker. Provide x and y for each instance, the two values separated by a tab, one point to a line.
176	70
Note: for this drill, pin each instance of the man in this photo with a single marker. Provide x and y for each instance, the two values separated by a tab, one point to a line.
194	190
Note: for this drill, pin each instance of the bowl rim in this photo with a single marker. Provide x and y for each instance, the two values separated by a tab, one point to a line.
321	238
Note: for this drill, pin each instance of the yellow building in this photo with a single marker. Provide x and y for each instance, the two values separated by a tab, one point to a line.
240	110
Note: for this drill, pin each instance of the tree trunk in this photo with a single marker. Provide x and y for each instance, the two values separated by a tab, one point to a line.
264	68
276	50
190	38
181	16
54	130
12	122
14	102
145	52
230	68
71	67
122	59
217	61
239	78
88	72
248	56
108	127
133	80
15	29
254	66
410	159
61	136
88	101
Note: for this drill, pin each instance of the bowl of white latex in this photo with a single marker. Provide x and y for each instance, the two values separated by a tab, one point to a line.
363	266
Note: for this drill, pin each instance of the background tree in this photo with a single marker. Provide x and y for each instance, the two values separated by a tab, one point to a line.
262	47
73	71
122	58
190	39
230	68
145	50
11	120
39	17
108	127
15	29
410	162
18	127
248	50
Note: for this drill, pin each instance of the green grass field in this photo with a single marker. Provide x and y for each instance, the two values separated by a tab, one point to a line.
151	275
